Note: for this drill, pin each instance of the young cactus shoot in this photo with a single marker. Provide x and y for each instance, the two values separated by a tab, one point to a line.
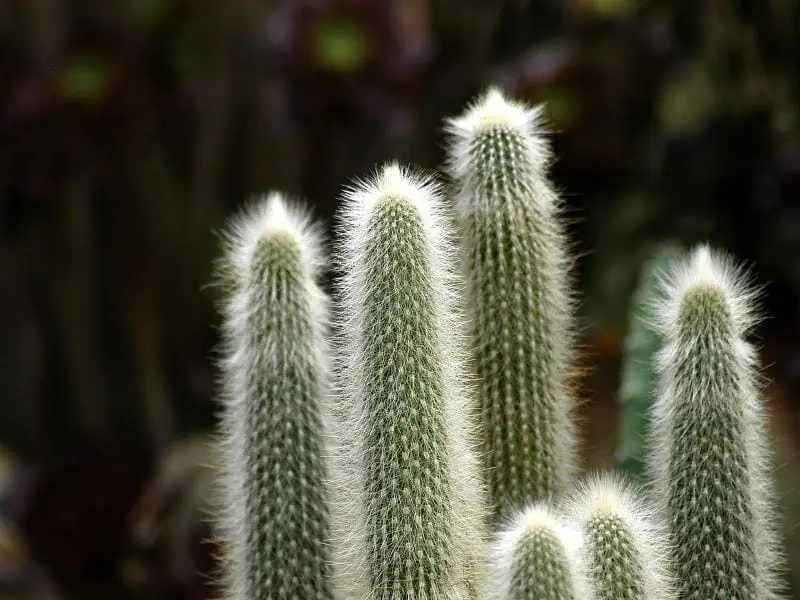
537	557
625	545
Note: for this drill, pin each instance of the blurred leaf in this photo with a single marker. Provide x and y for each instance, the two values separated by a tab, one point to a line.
638	377
561	106
688	101
187	54
608	7
147	13
84	78
341	45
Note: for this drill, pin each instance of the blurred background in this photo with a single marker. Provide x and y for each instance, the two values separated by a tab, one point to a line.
131	129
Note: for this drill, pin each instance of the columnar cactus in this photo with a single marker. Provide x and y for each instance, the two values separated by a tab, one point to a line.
411	527
275	510
709	455
517	274
369	487
537	558
624	545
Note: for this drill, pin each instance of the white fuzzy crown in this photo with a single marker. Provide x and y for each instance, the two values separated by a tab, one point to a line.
504	551
391	181
266	216
610	495
493	110
705	268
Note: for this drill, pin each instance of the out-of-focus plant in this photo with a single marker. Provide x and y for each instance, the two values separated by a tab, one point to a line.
638	371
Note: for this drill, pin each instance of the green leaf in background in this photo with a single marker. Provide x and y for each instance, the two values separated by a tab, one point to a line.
341	45
84	78
148	13
638	378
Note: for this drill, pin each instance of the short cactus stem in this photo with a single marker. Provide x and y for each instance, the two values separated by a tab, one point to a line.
537	557
709	454
625	545
413	526
274	520
517	268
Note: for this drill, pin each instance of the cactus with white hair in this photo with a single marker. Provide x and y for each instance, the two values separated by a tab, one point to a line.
375	485
411	526
274	503
625	544
710	460
517	270
537	556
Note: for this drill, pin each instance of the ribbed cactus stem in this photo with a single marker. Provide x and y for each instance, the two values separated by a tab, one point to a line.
625	548
275	510
710	460
413	528
517	274
537	558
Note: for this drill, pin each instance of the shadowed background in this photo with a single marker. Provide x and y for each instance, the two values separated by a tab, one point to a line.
131	129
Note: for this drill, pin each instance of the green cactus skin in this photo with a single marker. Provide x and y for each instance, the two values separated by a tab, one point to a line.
536	558
412	517
625	545
709	456
274	520
638	372
517	269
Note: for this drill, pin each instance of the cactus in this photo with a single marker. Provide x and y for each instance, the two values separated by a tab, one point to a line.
625	544
638	373
372	488
709	456
275	520
535	558
412	528
517	274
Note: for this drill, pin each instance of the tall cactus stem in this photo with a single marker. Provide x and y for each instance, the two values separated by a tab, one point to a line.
517	269
411	516
710	460
537	557
274	513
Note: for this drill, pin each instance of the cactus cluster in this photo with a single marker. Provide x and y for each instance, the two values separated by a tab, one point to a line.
414	437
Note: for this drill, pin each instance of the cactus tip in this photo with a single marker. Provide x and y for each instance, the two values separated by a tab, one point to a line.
709	271
494	109
264	217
